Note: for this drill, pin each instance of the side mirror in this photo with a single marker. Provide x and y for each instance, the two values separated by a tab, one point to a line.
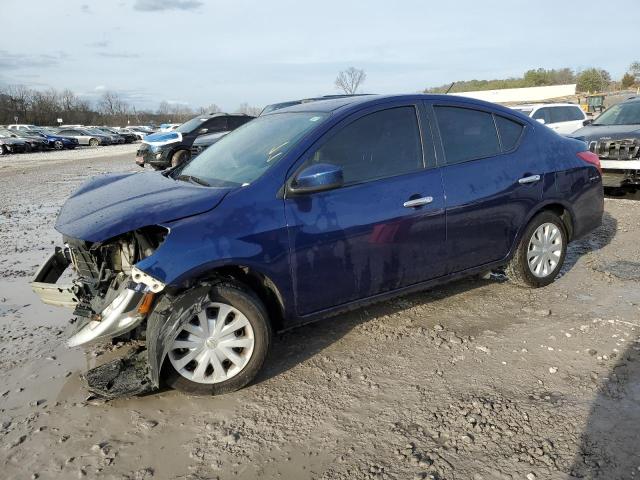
540	120
316	178
202	131
589	121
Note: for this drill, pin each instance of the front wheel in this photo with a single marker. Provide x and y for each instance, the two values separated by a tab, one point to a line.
93	142
58	145
221	344
541	252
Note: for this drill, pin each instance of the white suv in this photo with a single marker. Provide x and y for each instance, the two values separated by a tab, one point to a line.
564	118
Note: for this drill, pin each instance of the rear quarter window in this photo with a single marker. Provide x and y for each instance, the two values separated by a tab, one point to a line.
510	132
466	134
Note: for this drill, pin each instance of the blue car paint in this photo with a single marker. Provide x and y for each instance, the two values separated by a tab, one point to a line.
96	212
338	249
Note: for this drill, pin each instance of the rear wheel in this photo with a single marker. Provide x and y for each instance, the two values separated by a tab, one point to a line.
541	252
93	142
179	157
221	345
27	148
58	145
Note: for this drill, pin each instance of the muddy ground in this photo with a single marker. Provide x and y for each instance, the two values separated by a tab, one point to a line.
474	380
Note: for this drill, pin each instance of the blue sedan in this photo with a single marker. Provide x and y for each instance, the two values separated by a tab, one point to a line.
309	211
55	141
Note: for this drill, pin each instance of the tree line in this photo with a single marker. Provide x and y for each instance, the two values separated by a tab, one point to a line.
590	80
45	107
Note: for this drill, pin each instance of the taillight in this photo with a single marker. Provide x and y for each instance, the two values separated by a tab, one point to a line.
591	158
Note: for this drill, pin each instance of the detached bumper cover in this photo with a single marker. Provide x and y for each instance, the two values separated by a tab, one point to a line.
44	282
121	315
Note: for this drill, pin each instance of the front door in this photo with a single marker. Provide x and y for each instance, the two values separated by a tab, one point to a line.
364	238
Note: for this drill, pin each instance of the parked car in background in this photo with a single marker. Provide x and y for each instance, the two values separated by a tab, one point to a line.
564	118
10	144
55	141
615	137
20	126
277	106
310	211
204	141
169	149
137	134
85	137
143	129
113	139
122	136
33	142
168	127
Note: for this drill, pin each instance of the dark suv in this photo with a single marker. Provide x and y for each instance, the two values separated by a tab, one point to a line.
169	149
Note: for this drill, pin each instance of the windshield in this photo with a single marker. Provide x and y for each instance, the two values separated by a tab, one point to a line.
620	114
191	125
246	153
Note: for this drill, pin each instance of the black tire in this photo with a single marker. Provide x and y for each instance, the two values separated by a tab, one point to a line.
518	269
179	157
249	304
2	150
58	145
27	148
93	142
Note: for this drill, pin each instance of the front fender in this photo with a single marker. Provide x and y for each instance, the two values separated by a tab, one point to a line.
169	314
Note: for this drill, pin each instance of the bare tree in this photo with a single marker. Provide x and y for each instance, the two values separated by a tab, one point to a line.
248	109
349	80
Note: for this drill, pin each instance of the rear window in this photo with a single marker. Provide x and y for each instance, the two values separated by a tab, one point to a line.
467	134
510	132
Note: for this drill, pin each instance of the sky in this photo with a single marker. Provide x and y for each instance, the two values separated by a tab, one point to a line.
201	52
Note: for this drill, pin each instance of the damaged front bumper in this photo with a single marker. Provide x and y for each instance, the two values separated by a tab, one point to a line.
127	307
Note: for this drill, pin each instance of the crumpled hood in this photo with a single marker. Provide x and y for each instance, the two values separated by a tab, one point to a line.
113	204
606	132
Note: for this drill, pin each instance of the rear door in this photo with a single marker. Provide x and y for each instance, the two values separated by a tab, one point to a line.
361	240
491	182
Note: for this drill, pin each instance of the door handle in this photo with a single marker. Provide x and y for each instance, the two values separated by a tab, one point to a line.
417	202
529	179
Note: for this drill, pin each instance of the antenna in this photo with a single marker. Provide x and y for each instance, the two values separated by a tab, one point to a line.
450	87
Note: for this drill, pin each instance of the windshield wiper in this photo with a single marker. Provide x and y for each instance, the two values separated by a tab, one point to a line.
193	179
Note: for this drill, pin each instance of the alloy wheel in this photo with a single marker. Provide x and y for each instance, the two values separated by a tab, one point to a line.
545	250
214	346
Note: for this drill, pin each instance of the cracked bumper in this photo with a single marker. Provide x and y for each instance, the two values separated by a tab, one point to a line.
128	308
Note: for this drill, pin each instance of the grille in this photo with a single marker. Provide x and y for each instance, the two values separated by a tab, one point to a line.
627	149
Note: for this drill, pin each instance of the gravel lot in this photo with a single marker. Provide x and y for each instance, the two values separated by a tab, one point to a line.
474	380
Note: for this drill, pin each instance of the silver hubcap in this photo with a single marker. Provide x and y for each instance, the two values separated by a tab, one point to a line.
545	249
214	346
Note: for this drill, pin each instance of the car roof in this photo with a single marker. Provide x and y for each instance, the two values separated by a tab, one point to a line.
344	104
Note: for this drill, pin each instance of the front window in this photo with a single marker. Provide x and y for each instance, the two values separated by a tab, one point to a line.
246	153
620	114
191	125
